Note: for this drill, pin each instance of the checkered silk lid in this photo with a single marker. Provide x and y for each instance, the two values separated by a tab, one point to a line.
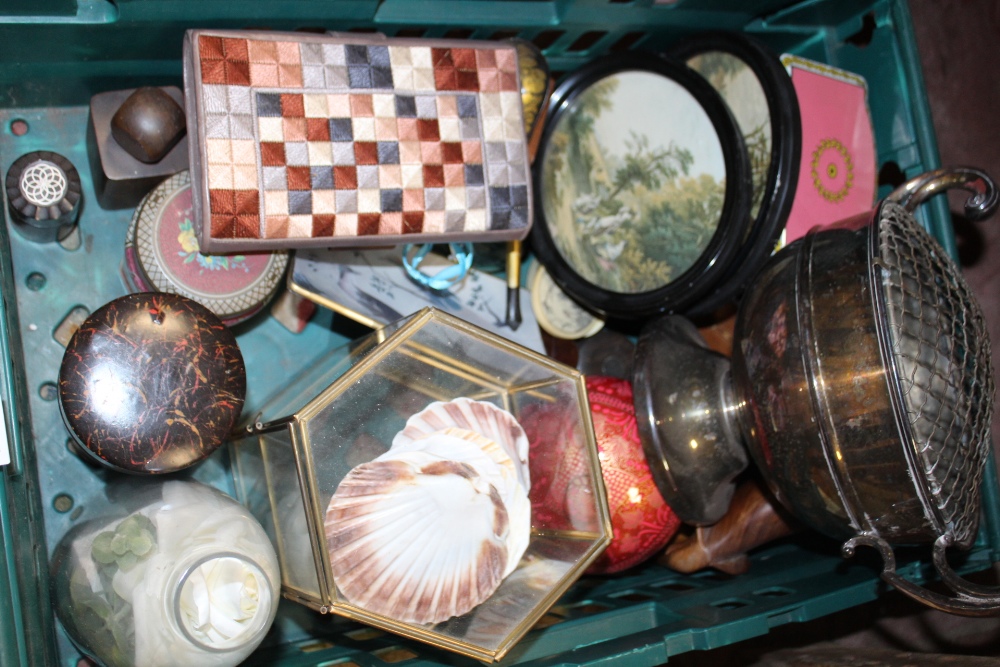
316	140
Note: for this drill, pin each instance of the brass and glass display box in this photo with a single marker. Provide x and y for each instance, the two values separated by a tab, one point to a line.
431	479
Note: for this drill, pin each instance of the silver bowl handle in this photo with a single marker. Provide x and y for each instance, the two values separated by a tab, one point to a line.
980	205
970	599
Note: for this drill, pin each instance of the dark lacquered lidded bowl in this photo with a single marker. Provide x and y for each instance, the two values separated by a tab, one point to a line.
151	383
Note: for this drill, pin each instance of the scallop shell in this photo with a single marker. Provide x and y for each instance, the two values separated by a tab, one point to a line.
460	444
491	448
519	532
480	417
465	446
416	538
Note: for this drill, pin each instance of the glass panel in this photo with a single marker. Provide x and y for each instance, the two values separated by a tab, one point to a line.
298	568
564	492
547	563
319	375
251	483
482	358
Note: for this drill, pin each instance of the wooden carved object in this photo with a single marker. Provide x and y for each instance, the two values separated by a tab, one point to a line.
754	518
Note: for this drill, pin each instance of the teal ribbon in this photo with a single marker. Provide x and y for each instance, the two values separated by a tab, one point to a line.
443	279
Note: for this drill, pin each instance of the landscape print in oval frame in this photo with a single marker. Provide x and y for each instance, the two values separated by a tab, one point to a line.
758	92
634	182
744	95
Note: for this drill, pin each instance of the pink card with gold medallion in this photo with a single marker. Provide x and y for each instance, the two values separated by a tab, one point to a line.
838	176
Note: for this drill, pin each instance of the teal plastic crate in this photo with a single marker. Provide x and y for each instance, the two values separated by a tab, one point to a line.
55	54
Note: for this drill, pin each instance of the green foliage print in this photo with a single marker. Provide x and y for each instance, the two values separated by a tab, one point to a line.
630	219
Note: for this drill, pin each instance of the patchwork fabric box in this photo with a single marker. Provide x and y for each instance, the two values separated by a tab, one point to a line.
346	141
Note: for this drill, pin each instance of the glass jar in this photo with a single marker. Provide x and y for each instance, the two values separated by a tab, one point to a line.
183	575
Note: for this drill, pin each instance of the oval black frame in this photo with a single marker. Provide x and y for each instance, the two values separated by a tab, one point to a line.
786	156
698	280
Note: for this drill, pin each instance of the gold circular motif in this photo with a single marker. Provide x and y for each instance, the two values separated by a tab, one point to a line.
832	170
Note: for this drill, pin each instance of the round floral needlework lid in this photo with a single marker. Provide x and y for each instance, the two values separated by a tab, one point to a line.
166	254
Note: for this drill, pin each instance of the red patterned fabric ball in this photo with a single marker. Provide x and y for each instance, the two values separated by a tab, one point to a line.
642	521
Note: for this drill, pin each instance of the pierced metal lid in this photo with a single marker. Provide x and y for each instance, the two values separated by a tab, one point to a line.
936	345
43	189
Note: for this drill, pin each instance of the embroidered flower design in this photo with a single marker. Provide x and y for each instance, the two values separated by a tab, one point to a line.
191	253
187	239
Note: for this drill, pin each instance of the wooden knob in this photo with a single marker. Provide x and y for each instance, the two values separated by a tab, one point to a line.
148	124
